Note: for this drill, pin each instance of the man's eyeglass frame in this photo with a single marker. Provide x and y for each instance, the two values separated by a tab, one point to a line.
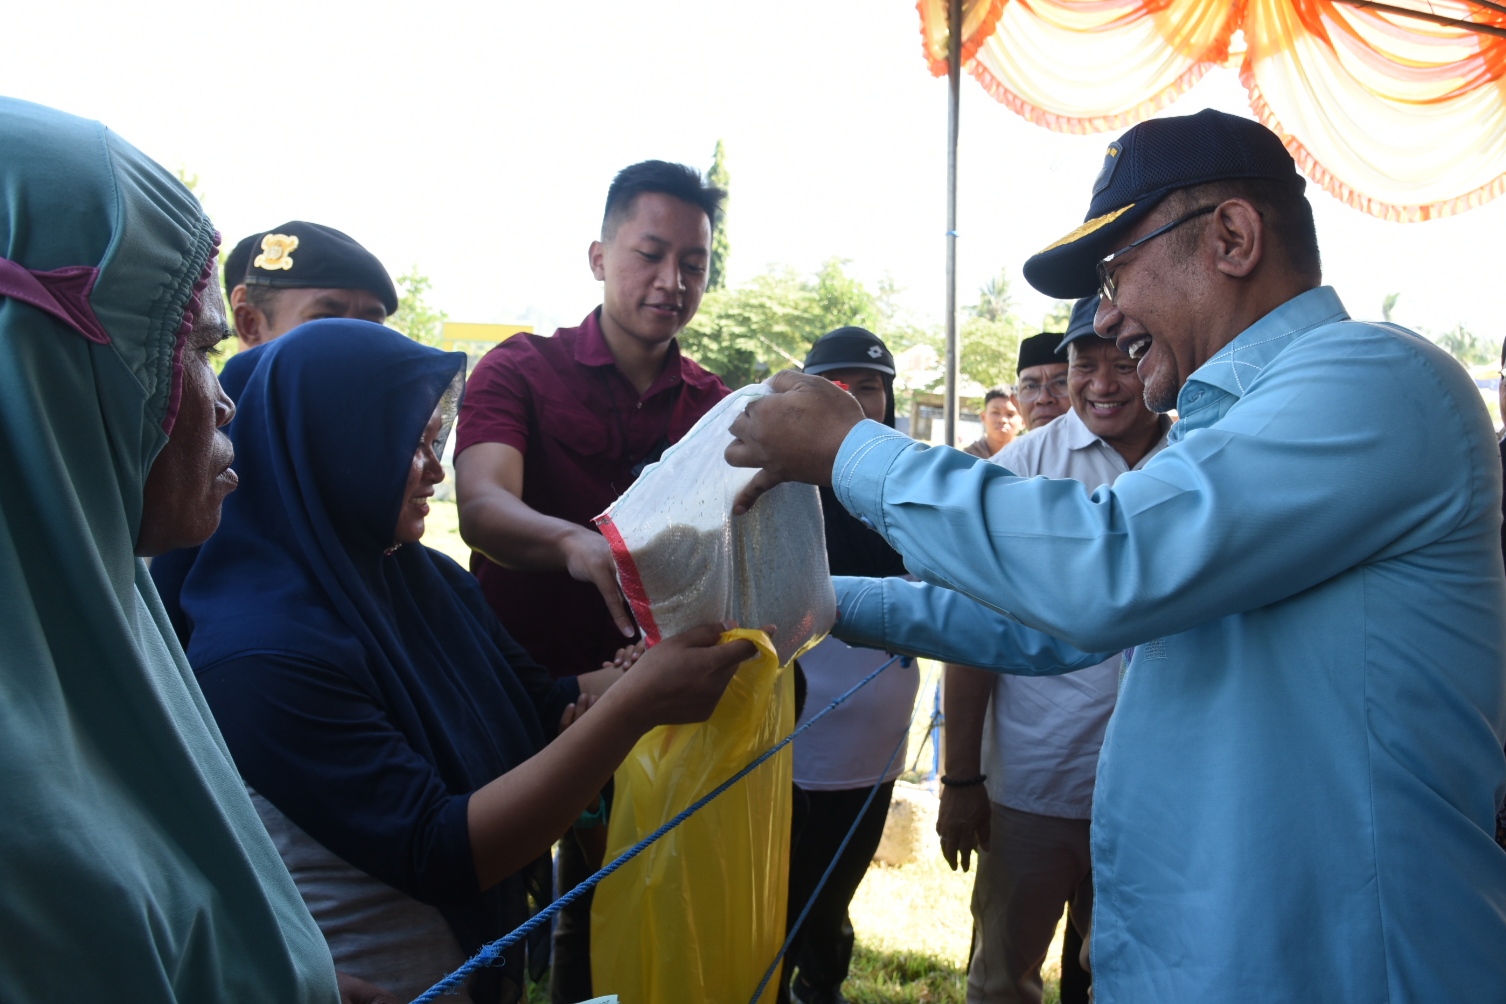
1056	387
1106	288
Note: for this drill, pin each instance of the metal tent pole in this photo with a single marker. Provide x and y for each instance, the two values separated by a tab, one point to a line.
954	81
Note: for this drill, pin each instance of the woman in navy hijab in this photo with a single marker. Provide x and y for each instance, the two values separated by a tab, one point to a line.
393	735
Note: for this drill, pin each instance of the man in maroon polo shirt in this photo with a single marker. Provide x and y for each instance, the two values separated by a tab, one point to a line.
552	430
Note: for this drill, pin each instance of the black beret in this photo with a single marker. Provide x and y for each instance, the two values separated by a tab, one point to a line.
1080	325
1141	168
849	348
310	256
238	261
1041	350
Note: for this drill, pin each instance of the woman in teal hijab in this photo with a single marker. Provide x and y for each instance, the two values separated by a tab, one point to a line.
132	864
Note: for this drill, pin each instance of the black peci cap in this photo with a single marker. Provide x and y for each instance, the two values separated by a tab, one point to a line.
1080	325
1140	169
238	261
1041	350
301	255
849	348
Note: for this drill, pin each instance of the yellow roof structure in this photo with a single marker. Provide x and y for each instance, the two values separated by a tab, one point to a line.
477	339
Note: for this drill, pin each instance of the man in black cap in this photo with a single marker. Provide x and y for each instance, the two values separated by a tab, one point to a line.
298	272
275	281
837	764
1299	783
1041	381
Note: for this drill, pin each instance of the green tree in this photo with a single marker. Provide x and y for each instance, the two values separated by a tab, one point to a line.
841	300
721	244
415	317
1466	346
990	349
190	181
1388	304
771	321
1058	316
995	301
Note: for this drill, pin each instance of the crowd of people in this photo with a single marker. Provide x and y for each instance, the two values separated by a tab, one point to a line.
1230	691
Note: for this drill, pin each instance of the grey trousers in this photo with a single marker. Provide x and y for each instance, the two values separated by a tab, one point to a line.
1034	866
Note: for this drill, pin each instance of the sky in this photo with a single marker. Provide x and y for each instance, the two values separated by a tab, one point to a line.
477	140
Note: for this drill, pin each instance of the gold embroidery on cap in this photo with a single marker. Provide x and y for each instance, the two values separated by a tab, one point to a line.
1088	227
276	252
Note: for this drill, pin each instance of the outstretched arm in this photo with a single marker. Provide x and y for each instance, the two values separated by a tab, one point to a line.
915	618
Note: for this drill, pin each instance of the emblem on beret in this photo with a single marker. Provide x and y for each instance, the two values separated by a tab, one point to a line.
874	352
276	252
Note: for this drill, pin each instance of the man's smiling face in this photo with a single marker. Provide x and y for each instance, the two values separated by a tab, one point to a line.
654	263
1105	390
1180	298
1151	318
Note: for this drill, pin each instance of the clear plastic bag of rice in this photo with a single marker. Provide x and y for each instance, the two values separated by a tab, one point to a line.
683	559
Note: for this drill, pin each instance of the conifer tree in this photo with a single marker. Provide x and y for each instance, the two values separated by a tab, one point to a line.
721	247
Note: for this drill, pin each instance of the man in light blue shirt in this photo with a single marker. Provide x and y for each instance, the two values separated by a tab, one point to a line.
1296	793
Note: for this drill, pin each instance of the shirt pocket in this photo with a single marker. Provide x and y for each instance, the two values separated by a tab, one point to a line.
564	421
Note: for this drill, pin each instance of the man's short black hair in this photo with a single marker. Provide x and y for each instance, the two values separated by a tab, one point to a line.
676	180
994	393
1282	206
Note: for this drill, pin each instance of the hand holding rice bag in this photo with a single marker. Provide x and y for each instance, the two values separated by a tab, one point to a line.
683	559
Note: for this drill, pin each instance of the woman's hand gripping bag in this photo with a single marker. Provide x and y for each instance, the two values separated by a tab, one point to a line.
700	914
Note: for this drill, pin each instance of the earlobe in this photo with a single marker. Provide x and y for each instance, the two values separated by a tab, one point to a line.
597	256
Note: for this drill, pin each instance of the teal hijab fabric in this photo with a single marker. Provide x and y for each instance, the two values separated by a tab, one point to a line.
132	864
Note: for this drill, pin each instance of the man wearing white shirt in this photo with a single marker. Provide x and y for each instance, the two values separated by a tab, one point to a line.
1021	751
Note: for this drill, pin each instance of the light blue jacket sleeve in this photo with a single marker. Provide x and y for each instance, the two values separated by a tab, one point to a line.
1297	482
914	618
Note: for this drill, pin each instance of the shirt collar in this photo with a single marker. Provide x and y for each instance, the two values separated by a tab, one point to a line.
590	349
1236	365
1077	436
1075	432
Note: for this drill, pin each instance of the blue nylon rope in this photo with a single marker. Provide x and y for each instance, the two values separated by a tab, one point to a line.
491	952
832	865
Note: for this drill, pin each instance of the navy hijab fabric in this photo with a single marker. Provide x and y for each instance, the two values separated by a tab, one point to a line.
364	694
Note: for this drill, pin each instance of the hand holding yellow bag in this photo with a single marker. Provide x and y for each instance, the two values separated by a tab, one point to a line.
699	915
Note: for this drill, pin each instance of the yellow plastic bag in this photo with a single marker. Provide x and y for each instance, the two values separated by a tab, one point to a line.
698	916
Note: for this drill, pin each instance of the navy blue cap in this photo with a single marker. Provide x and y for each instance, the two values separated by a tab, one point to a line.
312	256
1141	168
1041	350
238	261
849	348
1080	325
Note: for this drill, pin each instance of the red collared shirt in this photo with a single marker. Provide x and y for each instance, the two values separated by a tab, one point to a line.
582	429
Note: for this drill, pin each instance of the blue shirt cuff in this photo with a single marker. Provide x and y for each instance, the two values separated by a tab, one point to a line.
860	611
862	464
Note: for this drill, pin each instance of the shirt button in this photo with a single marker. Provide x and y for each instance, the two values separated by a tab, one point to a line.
640	405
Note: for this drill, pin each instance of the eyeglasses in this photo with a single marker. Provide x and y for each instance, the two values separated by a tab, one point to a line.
1106	287
1029	390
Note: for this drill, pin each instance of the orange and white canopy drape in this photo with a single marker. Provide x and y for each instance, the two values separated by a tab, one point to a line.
1398	117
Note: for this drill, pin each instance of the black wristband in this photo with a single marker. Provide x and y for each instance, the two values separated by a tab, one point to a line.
967	783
